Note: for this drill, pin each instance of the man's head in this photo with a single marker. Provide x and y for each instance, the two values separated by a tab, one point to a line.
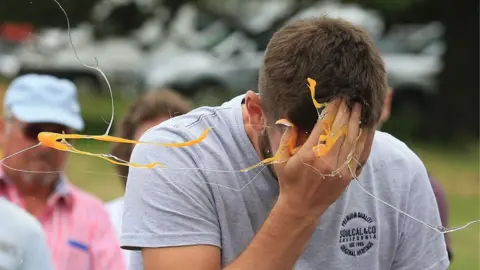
32	104
339	56
147	111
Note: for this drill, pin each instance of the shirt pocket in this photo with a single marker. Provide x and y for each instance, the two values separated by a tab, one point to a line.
78	257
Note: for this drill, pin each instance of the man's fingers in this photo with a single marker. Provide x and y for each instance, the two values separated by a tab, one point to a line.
357	162
351	138
341	118
319	128
283	154
339	128
354	123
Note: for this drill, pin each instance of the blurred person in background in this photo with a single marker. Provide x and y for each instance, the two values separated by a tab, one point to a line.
147	111
437	187
78	229
22	240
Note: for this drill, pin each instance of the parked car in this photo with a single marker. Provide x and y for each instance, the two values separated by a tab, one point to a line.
413	59
208	77
9	62
368	19
51	52
214	62
203	59
12	37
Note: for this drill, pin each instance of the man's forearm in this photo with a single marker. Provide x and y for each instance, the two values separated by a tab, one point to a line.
279	243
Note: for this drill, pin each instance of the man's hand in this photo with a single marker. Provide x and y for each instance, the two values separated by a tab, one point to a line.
307	186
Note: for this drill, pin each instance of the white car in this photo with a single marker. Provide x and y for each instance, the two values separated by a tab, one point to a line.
414	59
9	62
190	63
208	65
370	20
51	52
208	77
9	65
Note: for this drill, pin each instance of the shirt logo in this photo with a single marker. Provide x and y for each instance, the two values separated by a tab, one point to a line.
358	234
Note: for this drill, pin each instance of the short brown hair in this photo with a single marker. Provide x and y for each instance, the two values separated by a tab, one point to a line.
147	107
338	55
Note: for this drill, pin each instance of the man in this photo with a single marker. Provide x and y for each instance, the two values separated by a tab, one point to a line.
78	228
437	187
295	215
22	240
147	111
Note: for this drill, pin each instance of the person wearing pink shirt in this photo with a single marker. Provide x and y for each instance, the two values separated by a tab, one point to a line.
79	233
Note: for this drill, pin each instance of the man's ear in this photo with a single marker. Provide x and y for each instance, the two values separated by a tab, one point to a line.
255	117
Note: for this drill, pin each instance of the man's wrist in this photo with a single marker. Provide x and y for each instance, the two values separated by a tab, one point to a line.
296	212
281	240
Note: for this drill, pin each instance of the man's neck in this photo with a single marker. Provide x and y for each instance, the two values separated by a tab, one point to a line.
34	196
39	191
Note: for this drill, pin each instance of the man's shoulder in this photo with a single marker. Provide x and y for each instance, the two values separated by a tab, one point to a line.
22	238
208	129
386	142
391	153
19	219
201	117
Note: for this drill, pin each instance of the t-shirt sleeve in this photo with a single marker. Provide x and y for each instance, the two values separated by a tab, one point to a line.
36	253
421	247
171	206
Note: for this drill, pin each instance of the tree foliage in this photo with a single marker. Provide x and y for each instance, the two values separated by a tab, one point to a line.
456	110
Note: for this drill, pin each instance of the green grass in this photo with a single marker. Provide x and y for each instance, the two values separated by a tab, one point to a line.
93	174
465	243
97	111
458	172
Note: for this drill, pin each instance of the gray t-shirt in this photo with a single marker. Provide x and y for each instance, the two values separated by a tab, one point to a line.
23	244
183	205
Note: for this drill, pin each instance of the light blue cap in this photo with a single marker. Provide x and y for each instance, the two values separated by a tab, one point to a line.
35	98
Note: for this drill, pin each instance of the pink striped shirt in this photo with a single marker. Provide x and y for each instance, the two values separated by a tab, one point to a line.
79	231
